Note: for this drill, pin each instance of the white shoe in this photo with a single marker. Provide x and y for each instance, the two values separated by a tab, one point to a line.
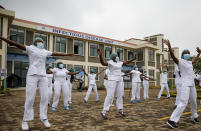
46	123
25	126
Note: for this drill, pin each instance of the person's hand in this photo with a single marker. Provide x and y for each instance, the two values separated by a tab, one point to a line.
167	42
198	50
99	52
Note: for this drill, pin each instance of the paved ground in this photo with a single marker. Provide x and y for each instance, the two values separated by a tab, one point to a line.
86	117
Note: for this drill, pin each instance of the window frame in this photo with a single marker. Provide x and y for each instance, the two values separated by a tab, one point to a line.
105	51
152	60
17	28
55	41
122	53
142	55
91	43
130	51
82	48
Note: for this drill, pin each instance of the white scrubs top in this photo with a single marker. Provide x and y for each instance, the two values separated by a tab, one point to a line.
145	81
115	70
136	76
177	76
164	77
37	60
92	79
187	73
60	74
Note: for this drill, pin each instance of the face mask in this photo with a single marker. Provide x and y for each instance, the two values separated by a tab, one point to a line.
117	59
186	56
40	45
61	66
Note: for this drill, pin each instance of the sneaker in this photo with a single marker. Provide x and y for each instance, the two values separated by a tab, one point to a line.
195	120
84	101
66	107
133	101
104	116
122	113
70	102
139	101
158	99
172	124
46	123
25	126
54	109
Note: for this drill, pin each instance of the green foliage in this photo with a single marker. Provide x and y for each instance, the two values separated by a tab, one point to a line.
2	91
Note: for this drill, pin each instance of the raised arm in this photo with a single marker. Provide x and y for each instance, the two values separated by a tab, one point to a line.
129	61
70	73
100	71
198	55
160	68
61	54
167	68
167	42
126	74
104	63
84	72
20	46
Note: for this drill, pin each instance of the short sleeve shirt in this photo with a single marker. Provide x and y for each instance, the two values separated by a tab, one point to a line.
187	73
136	76
92	79
37	60
114	70
60	74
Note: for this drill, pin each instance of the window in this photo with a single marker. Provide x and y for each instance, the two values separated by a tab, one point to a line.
78	47
42	36
17	35
120	52
151	73
61	44
93	49
140	55
153	40
108	51
130	55
95	69
151	55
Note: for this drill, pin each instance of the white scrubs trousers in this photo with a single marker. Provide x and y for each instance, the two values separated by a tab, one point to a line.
49	90
69	90
135	90
146	90
164	85
111	87
178	86
187	92
60	85
94	87
32	82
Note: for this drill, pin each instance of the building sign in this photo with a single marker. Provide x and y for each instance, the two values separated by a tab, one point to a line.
78	35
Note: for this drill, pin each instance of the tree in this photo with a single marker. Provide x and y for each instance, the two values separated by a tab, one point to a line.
197	66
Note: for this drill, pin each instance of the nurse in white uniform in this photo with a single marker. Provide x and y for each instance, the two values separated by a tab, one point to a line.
114	80
50	84
146	80
178	84
92	84
60	85
136	82
164	83
188	90
70	79
36	78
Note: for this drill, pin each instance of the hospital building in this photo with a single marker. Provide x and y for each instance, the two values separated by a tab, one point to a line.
150	51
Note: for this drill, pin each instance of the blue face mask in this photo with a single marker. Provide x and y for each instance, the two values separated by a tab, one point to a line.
40	45
186	56
61	66
117	59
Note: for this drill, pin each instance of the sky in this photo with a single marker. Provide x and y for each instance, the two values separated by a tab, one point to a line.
178	20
